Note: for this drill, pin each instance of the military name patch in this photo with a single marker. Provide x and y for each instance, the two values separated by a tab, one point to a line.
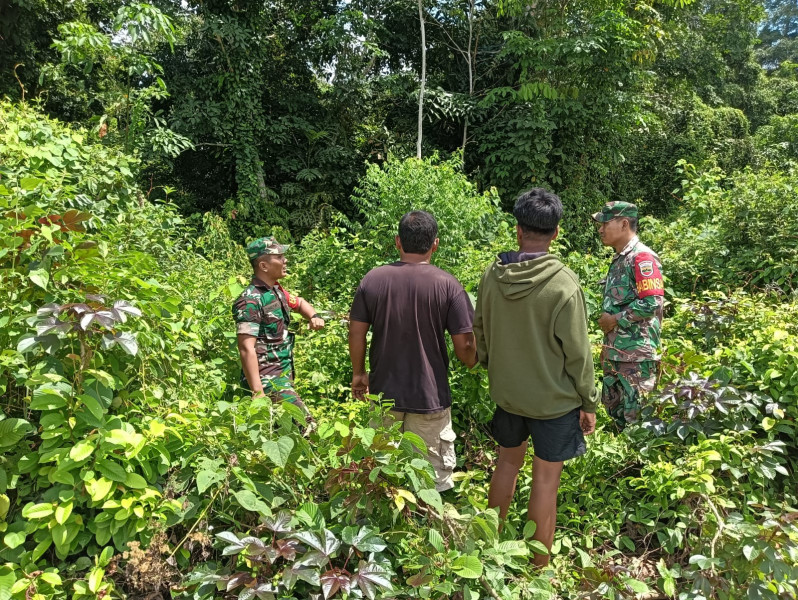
648	279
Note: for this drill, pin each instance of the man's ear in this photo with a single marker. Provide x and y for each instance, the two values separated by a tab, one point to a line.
556	233
434	245
397	242
519	234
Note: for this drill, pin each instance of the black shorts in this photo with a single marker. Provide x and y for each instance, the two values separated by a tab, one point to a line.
554	440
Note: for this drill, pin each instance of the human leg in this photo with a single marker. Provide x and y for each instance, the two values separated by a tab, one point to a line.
438	435
511	433
555	441
543	503
505	477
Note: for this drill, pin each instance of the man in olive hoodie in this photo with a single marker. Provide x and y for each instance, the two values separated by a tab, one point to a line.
530	325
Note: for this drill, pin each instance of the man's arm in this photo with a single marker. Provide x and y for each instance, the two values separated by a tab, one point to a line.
479	331
357	355
570	327
249	362
304	308
465	348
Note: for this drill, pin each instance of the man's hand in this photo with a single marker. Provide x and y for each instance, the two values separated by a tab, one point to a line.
316	323
587	421
607	322
258	394
360	386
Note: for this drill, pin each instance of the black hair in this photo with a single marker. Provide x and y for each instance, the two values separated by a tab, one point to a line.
632	223
538	211
417	232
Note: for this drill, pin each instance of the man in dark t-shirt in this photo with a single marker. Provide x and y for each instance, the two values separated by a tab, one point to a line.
410	305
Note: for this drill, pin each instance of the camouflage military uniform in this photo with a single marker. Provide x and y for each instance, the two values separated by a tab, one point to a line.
631	352
265	312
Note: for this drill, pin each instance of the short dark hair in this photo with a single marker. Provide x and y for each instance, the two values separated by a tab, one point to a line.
417	232
632	223
538	211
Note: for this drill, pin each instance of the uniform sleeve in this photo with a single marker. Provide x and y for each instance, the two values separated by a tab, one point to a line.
649	287
570	328
247	316
360	310
460	318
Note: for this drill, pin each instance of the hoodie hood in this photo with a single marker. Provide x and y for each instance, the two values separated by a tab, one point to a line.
519	279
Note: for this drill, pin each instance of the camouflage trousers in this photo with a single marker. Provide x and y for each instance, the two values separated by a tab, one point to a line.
625	387
279	388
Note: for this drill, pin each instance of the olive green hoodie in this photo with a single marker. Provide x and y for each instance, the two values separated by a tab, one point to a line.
530	325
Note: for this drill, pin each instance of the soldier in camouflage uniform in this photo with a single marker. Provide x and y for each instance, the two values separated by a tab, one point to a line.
262	314
631	314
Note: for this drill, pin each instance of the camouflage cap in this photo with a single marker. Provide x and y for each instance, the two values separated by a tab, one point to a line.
613	210
264	245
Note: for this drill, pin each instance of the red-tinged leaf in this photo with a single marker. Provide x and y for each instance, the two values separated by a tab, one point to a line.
105	318
51	308
295	572
326	545
265	591
286	549
281	523
86	320
334	580
419	579
72	218
239	579
313	559
253	546
127	307
370	577
77	309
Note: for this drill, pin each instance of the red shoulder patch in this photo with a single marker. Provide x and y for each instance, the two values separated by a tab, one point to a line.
293	301
647	276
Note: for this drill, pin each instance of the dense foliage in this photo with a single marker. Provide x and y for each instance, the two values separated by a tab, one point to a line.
133	465
140	144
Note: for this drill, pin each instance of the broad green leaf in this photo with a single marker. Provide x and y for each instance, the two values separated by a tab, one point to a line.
37	511
93	405
14	539
40	277
112	470
30	183
81	451
5	504
53	579
7	581
99	489
468	567
251	502
62	512
49	396
279	451
95	578
433	498
435	539
135	481
206	479
12	431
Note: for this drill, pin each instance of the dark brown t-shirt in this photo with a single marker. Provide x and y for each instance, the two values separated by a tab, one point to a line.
409	307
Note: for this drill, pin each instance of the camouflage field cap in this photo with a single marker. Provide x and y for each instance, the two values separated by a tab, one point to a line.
264	245
613	210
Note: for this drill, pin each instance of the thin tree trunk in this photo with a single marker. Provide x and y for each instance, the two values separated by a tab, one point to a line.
470	70
423	77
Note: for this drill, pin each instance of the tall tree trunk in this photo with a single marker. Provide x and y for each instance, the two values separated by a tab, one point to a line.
470	70
423	77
